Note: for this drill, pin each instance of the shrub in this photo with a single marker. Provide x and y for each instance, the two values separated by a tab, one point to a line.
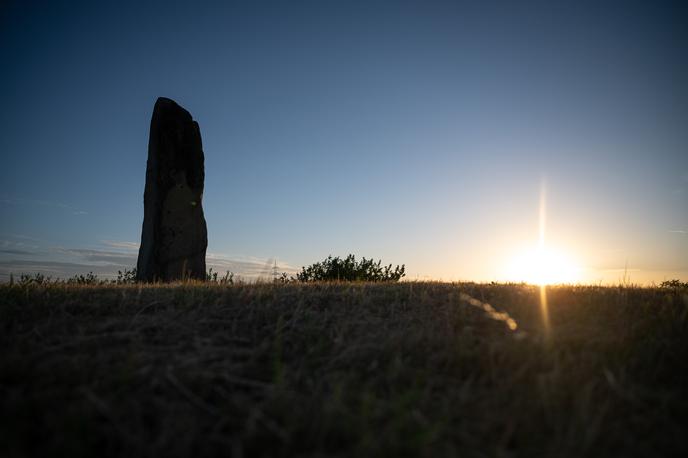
348	269
674	284
35	279
88	279
126	277
227	279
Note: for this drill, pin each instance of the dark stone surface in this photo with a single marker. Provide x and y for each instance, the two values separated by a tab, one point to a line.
174	236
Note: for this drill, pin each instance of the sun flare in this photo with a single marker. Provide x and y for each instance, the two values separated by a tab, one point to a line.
542	266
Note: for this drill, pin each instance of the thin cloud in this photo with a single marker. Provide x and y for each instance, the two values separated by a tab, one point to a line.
20	236
103	256
678	232
249	266
14	245
67	262
55	269
121	244
20	252
43	203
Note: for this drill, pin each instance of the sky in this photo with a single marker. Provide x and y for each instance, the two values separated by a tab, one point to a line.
420	133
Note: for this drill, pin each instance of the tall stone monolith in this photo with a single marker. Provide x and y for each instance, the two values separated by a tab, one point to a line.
174	236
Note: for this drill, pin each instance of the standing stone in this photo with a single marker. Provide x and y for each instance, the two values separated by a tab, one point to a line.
174	236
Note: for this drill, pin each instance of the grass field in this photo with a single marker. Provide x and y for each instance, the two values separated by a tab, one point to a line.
342	369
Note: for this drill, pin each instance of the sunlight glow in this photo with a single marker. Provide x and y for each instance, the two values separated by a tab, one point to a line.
542	266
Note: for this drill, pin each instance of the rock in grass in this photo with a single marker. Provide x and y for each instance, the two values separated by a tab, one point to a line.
174	236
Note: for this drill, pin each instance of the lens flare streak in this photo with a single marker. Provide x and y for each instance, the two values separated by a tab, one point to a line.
544	308
490	311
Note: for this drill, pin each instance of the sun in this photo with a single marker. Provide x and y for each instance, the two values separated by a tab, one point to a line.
543	266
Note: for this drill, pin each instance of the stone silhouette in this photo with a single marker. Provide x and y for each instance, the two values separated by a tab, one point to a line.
174	236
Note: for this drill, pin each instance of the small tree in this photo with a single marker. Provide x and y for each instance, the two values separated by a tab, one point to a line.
673	284
348	269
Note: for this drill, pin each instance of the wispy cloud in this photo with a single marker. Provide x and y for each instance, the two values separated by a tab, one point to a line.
8	244
121	244
22	252
42	203
250	268
114	258
678	232
56	269
19	236
114	255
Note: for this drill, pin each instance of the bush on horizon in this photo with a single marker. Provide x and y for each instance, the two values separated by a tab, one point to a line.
348	269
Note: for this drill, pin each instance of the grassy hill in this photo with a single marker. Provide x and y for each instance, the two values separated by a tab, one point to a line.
342	369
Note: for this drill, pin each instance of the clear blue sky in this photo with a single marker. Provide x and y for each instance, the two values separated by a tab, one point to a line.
415	132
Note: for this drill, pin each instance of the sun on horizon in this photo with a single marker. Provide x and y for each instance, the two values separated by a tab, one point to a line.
542	265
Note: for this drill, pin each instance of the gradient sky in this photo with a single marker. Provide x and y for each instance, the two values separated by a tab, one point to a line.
416	132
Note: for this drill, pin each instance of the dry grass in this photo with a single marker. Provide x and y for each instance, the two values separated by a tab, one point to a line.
341	370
